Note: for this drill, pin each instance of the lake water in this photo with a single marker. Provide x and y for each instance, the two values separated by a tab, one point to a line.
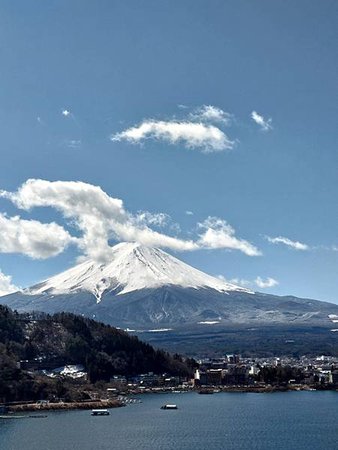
294	420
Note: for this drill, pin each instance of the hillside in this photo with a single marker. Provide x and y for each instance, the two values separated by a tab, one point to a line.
64	338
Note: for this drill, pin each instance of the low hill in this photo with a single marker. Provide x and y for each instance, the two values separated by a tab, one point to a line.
64	338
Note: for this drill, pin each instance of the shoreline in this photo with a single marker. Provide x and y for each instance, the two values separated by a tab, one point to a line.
219	389
100	404
116	403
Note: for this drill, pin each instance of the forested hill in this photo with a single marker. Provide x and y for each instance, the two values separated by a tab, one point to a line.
65	338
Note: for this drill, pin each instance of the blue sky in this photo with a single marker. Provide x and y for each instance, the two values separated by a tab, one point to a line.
115	94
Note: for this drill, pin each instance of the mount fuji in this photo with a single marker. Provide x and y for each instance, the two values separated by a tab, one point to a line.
147	289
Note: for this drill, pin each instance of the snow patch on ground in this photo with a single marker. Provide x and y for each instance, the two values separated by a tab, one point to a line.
71	371
209	322
159	330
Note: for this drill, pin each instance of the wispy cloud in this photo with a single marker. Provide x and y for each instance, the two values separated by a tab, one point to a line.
209	113
6	285
204	137
258	281
159	220
265	124
219	234
237	281
267	283
189	213
288	242
101	218
148	218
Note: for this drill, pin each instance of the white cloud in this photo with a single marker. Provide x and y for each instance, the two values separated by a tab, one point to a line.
205	137
146	236
100	218
160	220
259	282
288	242
32	238
6	285
267	283
196	131
219	234
148	218
66	112
209	113
236	281
265	124
189	213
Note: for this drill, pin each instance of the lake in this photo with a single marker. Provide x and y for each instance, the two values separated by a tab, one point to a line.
292	420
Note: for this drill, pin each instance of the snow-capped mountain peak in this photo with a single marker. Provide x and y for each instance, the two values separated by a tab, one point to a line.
132	267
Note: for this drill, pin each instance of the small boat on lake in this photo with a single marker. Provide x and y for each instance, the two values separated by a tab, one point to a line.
100	412
168	406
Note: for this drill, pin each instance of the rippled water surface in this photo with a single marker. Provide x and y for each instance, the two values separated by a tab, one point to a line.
295	420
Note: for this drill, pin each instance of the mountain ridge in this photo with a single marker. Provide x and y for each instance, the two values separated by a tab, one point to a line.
145	289
133	267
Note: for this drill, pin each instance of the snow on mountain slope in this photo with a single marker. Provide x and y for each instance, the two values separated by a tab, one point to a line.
146	289
133	267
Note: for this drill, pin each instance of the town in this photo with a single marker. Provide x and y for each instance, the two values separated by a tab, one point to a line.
229	373
233	373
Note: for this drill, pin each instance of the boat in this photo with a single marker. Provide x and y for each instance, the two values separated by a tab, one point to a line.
168	406
100	412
